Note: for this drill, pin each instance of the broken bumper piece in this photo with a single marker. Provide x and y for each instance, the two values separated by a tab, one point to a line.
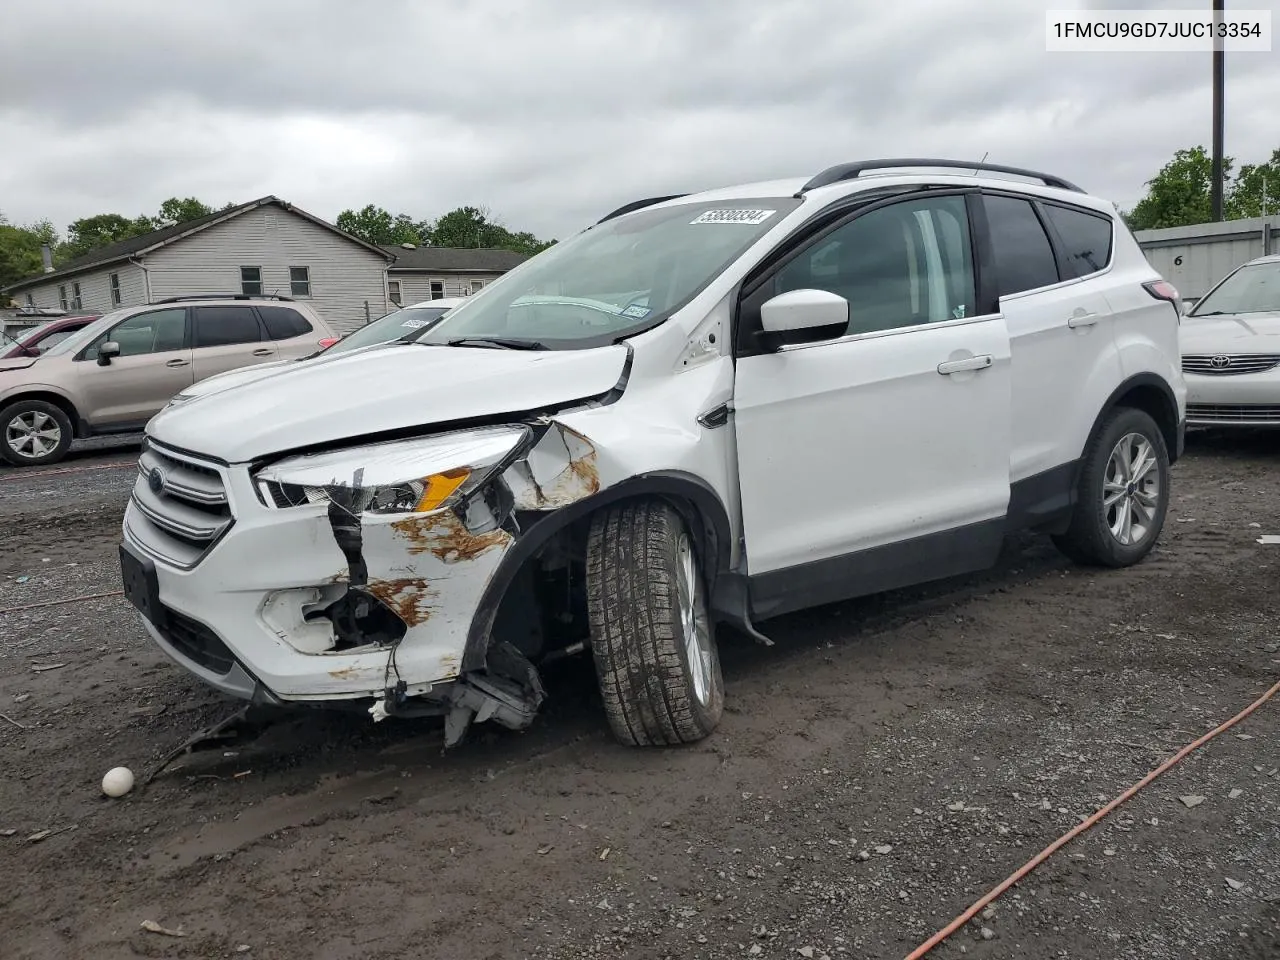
323	584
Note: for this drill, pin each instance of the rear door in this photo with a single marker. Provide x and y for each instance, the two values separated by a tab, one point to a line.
154	364
1061	337
227	338
293	334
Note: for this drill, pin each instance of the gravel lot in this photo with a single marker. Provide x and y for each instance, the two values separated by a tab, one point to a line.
881	767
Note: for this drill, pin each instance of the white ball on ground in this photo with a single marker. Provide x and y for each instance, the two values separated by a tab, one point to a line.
117	782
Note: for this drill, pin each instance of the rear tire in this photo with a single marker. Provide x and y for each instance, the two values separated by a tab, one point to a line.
34	433
651	637
1122	494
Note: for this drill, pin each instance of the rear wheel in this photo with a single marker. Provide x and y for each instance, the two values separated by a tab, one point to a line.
34	433
1123	493
651	637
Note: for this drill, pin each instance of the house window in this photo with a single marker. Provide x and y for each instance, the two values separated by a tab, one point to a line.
62	296
300	281
76	303
477	286
115	289
251	281
393	291
437	289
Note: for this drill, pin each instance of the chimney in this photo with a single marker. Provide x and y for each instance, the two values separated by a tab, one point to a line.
47	255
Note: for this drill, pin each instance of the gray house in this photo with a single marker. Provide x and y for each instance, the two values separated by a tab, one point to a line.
265	246
430	273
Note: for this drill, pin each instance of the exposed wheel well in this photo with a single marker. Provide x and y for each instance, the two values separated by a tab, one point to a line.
59	401
540	584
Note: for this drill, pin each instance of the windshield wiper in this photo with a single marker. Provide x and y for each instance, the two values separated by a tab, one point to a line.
499	343
1211	313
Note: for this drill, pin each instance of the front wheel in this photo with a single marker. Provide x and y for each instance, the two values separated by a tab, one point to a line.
651	637
1123	493
34	433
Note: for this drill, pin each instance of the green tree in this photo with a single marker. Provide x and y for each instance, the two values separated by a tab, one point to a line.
475	227
90	233
1255	184
177	210
1181	193
20	249
375	225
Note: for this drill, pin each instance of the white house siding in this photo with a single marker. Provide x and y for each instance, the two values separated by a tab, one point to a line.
343	274
416	287
95	289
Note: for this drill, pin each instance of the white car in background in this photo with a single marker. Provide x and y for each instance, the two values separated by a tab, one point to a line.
1230	343
406	323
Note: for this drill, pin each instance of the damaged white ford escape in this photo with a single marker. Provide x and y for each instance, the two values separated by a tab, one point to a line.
704	409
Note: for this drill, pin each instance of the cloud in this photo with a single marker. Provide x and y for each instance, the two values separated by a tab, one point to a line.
552	113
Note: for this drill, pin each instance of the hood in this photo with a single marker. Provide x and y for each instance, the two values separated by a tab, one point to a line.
16	363
233	378
392	388
1233	333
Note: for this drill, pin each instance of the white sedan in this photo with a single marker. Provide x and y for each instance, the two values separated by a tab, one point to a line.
1230	342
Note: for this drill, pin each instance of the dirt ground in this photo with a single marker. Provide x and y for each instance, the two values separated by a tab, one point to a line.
882	766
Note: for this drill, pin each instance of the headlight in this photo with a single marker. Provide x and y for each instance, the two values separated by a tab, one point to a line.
402	476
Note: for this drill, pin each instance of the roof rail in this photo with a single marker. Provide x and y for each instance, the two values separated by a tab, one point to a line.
639	205
850	171
223	296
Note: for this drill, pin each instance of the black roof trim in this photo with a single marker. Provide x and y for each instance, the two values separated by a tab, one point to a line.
223	296
850	171
639	205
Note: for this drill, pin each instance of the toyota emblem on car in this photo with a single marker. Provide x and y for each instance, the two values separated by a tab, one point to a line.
155	480
1220	362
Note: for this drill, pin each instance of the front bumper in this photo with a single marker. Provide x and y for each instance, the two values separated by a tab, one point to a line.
241	611
1242	400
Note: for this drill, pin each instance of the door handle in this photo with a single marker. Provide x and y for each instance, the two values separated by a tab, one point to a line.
1082	320
262	353
972	363
177	363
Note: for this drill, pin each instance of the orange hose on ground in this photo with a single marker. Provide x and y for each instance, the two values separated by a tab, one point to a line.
55	603
1081	827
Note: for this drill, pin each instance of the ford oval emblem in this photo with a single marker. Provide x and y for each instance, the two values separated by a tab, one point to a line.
155	480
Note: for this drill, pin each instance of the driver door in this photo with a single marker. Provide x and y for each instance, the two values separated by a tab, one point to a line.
879	458
154	364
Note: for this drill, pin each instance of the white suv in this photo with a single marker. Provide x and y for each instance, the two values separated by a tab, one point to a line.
712	408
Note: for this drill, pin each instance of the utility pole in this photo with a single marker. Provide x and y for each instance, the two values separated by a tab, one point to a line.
1219	74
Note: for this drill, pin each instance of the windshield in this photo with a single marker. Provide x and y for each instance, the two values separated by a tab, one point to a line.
1251	289
612	280
85	334
406	324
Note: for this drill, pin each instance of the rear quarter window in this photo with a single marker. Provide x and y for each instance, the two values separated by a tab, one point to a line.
1086	239
284	323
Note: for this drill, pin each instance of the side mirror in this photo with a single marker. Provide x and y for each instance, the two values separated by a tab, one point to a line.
799	316
106	351
1186	306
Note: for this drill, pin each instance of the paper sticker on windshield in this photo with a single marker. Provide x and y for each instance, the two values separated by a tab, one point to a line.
415	323
749	217
636	310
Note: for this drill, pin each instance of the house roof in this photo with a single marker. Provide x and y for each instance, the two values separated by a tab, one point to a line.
455	259
124	249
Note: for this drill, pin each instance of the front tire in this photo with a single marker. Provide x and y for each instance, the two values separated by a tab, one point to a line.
651	637
34	433
1122	494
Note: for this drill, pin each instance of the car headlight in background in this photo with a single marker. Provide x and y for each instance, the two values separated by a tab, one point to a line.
401	476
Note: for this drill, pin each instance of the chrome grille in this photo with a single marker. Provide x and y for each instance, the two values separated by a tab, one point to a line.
179	506
1261	413
1228	364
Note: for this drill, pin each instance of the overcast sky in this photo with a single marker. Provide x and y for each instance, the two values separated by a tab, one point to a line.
551	113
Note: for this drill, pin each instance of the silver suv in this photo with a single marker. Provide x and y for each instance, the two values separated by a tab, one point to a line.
116	373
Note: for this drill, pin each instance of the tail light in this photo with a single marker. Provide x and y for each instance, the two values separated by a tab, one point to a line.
328	342
1166	291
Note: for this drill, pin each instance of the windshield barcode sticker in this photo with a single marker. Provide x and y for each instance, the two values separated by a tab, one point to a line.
751	217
